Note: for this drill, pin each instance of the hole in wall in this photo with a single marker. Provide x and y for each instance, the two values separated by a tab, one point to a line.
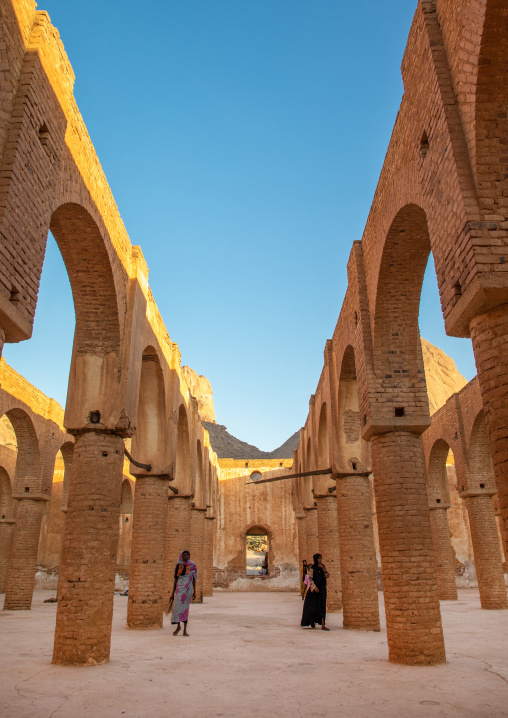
399	411
44	135
424	145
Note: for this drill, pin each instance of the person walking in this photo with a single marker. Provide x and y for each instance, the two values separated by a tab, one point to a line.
186	574
314	607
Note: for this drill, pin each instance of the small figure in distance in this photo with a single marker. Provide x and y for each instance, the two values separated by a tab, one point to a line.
186	574
264	567
314	607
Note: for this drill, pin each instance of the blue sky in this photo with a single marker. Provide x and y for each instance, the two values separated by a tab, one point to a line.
243	142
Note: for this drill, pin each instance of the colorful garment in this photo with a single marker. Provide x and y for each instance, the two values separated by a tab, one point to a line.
185	573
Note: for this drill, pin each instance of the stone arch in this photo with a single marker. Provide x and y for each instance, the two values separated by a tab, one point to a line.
491	122
323	448
398	360
353	450
27	473
7	514
6	500
307	497
199	476
439	503
437	478
150	440
183	471
67	451
96	349
126	501
480	467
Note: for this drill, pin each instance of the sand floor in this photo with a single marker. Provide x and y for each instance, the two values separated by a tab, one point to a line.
247	656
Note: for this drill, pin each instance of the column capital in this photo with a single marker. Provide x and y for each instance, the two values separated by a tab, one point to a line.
36	496
474	493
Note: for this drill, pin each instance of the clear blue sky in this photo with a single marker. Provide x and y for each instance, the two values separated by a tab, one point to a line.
243	142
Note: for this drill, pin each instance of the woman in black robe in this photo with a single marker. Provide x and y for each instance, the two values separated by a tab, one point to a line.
314	607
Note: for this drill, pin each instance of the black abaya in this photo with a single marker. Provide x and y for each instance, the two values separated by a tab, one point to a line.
314	606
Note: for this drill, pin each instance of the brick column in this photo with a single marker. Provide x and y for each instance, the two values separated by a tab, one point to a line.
311	532
413	619
178	535
328	534
487	553
208	556
197	547
358	554
302	537
6	531
146	604
489	334
444	556
23	557
86	582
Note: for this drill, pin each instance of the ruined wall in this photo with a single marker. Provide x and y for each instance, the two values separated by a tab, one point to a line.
242	506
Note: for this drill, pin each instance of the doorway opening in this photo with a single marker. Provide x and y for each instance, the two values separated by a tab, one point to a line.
256	552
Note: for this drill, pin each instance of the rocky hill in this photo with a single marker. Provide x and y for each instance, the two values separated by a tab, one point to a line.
443	377
201	390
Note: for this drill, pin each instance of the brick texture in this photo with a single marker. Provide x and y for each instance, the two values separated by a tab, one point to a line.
23	558
487	554
87	572
197	548
311	532
208	556
178	537
146	578
444	555
328	541
358	555
413	620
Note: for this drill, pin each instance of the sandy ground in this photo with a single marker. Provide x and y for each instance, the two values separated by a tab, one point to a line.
247	656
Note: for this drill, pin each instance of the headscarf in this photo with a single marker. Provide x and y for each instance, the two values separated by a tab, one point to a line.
192	566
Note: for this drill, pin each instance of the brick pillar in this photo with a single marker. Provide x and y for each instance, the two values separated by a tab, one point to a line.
328	534
489	334
6	531
178	534
23	557
487	553
311	532
302	537
444	555
358	554
208	556
197	549
2	341
413	619
86	582
146	604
